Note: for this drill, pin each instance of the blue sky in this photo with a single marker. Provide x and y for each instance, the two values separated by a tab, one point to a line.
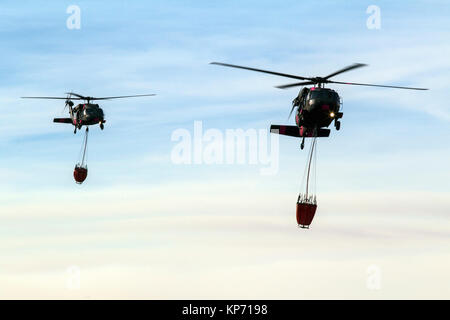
382	180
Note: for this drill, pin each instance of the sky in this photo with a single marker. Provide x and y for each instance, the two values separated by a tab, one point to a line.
145	227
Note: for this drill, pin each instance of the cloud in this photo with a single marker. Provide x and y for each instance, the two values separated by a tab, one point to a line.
158	242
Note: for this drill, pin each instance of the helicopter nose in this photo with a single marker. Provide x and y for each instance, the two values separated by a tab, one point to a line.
89	116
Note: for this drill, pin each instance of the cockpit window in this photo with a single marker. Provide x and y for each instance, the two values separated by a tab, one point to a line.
323	95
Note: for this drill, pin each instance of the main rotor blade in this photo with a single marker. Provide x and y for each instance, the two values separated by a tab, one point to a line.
295	84
261	70
351	67
375	85
80	97
59	98
76	95
120	97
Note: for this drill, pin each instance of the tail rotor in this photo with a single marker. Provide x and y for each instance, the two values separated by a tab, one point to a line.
292	110
68	103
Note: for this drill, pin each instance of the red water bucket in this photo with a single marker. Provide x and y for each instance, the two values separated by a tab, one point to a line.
80	174
305	214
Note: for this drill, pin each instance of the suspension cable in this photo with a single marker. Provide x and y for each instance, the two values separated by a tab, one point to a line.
313	144
85	145
315	167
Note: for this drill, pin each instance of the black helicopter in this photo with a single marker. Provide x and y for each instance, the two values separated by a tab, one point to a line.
86	113
317	106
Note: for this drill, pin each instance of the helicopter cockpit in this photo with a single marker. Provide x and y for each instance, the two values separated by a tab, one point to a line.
323	96
309	98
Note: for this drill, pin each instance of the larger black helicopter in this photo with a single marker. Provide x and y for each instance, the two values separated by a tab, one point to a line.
86	113
317	106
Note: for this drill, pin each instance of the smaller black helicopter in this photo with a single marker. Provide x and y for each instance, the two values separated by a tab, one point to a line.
84	114
317	106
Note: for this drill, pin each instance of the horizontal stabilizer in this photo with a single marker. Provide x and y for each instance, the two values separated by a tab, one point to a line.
294	131
62	120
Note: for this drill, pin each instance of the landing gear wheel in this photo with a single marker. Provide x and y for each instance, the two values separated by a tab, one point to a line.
75	131
102	126
302	145
337	125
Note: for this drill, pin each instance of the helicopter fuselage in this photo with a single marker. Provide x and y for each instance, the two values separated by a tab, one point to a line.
87	114
317	108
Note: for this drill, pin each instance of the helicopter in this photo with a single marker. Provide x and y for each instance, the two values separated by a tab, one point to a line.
86	113
317	106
